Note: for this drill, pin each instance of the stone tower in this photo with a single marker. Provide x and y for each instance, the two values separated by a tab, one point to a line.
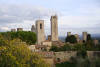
33	29
19	29
77	37
40	31
68	34
54	28
13	30
84	36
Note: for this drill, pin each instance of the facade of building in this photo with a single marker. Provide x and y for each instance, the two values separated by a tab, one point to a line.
49	37
96	42
33	29
85	36
77	37
68	34
54	28
19	29
40	31
13	30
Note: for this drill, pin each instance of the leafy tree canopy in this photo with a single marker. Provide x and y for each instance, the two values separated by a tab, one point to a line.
26	36
15	53
71	39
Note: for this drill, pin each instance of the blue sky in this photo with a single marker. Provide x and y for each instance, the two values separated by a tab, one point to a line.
74	15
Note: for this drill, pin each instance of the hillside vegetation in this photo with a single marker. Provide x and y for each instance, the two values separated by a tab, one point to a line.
25	36
15	53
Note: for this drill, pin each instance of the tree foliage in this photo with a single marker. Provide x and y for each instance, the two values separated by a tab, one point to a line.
15	53
71	39
28	37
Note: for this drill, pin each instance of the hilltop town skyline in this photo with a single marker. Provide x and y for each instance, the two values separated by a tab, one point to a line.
73	15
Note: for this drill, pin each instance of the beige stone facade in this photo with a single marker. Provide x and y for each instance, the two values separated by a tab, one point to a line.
68	34
85	36
33	29
19	29
47	43
40	31
13	30
96	42
54	28
77	37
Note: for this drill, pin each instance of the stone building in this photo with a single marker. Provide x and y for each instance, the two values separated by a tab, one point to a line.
19	29
68	34
96	42
49	37
54	28
85	36
13	30
77	37
40	31
47	44
33	29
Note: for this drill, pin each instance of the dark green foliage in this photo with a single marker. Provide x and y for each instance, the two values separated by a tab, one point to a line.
62	48
82	53
66	64
54	48
66	47
76	47
71	39
89	37
28	37
79	47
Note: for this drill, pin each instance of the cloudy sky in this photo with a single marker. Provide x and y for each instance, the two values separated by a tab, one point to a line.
73	15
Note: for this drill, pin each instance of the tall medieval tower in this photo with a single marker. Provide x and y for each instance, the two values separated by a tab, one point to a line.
40	31
54	28
84	36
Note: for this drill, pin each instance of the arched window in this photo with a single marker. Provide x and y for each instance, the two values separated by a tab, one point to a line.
40	26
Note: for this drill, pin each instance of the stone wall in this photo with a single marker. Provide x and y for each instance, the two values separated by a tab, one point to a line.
64	56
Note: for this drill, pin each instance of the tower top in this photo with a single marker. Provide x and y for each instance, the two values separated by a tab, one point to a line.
54	16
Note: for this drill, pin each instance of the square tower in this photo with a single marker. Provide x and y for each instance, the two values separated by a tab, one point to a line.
68	34
33	29
84	36
54	28
40	31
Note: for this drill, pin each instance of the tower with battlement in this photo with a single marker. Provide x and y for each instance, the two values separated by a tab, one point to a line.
54	28
40	31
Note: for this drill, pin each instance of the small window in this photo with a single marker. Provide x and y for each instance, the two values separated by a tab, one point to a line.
40	26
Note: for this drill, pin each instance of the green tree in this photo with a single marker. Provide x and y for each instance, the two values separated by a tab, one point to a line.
54	48
66	47
71	39
17	54
89	37
26	36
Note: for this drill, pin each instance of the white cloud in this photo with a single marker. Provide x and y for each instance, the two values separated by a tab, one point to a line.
83	18
4	29
17	13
